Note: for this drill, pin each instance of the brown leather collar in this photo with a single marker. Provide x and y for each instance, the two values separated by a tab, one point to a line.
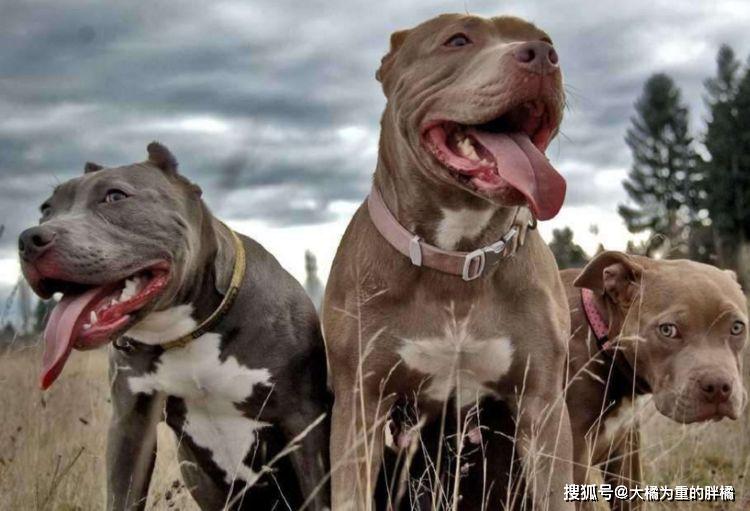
469	265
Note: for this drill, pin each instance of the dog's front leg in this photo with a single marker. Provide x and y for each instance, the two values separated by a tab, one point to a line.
356	448
131	442
310	460
625	468
583	471
545	446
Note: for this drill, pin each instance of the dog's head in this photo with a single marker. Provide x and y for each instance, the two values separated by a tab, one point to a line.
473	104
117	243
682	325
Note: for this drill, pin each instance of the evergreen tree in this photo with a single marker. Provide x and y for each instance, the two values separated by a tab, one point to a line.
664	182
727	141
722	142
741	169
567	253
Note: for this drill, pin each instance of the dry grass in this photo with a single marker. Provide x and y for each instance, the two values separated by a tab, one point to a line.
702	454
52	444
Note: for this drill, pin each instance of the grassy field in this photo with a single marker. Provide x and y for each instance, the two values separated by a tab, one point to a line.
52	444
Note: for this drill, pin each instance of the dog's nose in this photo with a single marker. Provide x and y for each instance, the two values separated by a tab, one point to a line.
715	389
537	56
34	242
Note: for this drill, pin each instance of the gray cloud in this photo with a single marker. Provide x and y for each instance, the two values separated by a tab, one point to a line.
272	106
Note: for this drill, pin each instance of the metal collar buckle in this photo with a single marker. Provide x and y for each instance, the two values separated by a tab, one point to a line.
485	257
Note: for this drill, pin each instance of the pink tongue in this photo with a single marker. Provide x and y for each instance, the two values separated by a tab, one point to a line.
62	329
526	169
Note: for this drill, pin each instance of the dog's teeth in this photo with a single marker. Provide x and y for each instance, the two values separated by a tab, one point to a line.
130	289
86	326
467	150
92	317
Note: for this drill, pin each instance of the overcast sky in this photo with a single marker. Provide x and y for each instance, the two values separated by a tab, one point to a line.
272	106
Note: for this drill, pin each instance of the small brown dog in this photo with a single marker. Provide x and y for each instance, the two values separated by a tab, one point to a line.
422	303
674	329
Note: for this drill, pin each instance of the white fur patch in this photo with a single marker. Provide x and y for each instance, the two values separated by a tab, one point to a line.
457	363
464	223
211	389
163	326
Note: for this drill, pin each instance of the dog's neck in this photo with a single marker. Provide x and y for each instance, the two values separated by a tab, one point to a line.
451	219
615	316
611	313
200	285
198	295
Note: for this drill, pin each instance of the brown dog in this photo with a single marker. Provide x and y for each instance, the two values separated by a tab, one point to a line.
674	329
472	105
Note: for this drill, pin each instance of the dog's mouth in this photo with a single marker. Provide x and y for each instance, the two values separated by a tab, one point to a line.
89	316
705	413
687	408
503	157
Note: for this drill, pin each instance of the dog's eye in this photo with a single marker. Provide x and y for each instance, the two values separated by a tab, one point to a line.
45	209
115	195
738	327
458	40
668	330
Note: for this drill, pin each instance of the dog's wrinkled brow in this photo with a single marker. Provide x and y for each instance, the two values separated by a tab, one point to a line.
61	194
472	24
721	315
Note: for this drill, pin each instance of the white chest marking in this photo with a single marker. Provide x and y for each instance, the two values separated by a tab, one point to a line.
211	389
458	224
163	326
457	363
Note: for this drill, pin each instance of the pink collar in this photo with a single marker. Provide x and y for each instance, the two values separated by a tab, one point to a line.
594	316
600	328
469	265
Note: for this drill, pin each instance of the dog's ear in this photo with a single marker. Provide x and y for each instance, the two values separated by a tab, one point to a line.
397	40
614	274
91	167
161	157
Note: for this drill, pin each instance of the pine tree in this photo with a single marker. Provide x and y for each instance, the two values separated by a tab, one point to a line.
567	253
722	142
741	171
664	182
727	170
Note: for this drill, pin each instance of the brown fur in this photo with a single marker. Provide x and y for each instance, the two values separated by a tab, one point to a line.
638	294
376	302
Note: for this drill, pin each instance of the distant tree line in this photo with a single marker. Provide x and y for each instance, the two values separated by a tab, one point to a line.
567	253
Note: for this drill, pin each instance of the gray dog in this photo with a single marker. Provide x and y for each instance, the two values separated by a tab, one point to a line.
209	333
